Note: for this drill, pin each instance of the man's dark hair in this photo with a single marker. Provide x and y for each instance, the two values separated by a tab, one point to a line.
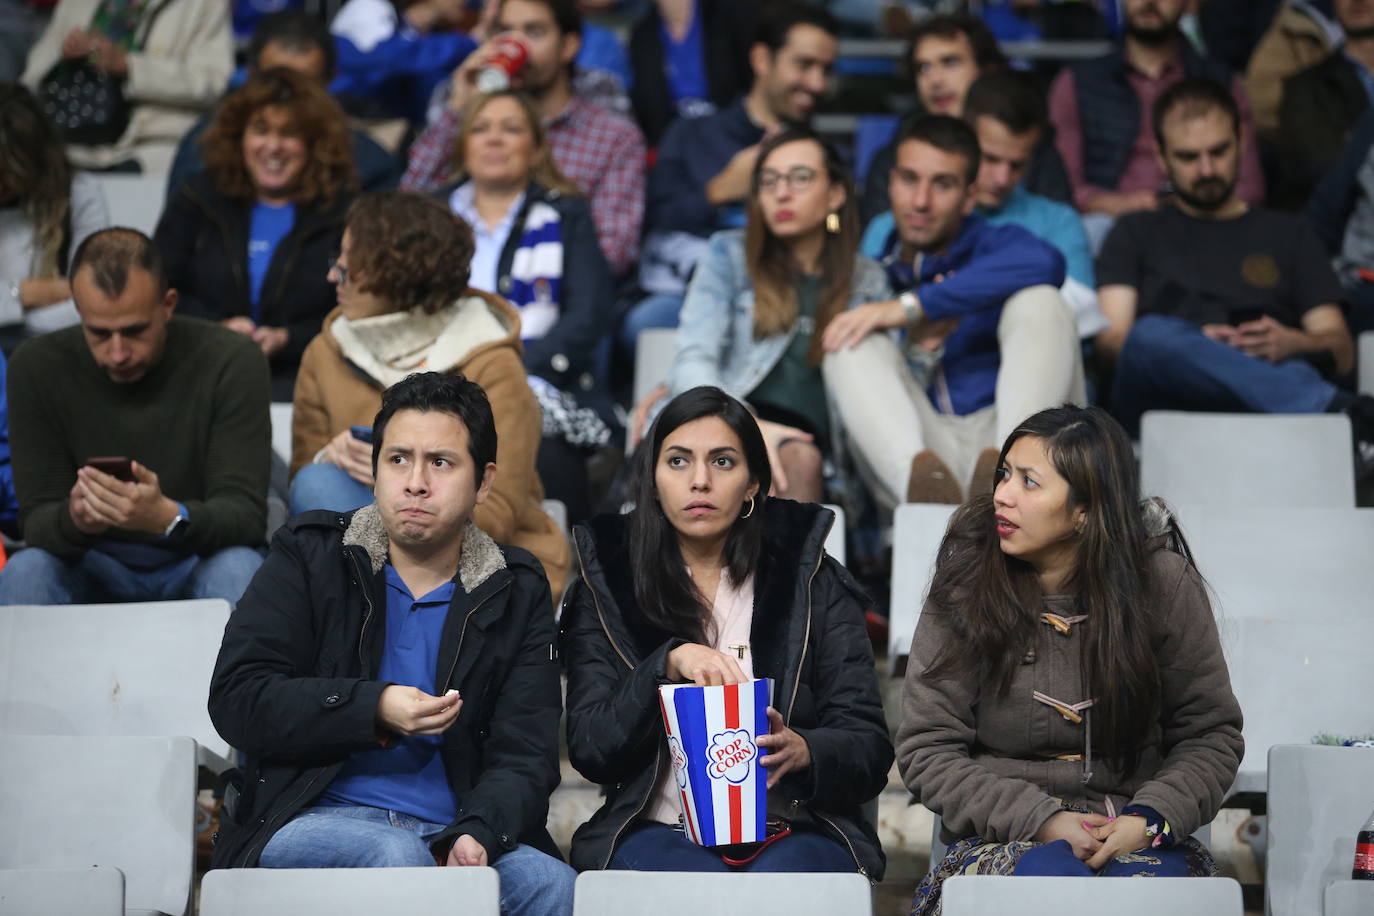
296	31
948	134
1194	97
987	54
1013	99
448	393
566	15
111	253
778	18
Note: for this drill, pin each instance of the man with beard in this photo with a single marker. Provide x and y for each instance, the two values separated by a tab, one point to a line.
1215	304
947	54
1101	112
705	165
1321	104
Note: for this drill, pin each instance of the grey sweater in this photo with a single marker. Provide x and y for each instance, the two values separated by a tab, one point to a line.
986	762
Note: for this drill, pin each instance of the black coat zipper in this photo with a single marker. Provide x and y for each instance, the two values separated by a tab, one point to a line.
464	632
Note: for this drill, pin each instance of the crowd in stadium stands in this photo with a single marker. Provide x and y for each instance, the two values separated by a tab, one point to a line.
438	230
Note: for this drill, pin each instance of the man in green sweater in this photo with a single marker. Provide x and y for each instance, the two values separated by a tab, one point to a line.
177	406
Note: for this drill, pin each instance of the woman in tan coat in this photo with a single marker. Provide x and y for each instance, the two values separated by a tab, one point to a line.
1067	708
405	306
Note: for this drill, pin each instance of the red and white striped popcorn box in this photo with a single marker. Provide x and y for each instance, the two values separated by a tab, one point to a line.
711	736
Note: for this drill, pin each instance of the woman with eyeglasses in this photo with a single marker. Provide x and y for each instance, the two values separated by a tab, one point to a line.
247	241
761	297
405	305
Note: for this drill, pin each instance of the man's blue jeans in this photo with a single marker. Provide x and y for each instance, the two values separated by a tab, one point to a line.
1168	364
324	486
355	836
34	576
657	310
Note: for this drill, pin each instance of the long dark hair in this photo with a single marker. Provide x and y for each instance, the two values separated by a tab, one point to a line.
665	592
992	601
773	271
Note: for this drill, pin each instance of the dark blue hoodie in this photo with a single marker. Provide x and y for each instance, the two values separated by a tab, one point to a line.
983	267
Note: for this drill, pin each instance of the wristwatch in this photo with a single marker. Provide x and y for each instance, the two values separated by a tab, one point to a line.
911	306
177	526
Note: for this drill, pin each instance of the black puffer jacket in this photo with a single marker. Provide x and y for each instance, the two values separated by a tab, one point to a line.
808	634
294	687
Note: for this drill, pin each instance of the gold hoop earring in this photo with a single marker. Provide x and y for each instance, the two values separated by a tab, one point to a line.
832	223
751	508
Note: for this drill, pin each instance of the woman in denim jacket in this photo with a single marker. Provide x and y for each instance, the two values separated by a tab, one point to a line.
761	297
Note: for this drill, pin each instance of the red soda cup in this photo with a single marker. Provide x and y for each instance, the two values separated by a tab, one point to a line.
509	55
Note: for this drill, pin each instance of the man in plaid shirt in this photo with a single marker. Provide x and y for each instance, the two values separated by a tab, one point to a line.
600	151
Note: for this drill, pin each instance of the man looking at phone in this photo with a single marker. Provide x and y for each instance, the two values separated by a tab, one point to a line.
391	677
178	406
1215	304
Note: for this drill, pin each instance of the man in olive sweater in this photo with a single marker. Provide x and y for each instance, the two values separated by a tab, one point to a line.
183	402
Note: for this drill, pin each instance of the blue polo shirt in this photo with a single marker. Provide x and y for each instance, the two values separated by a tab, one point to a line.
408	776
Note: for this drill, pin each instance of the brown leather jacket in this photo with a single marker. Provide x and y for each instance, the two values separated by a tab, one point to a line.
334	392
987	763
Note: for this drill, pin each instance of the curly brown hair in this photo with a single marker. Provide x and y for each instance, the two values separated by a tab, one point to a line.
328	171
409	250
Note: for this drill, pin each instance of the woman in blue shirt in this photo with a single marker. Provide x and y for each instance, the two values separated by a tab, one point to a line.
248	241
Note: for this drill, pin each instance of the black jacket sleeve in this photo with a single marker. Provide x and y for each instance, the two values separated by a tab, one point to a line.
850	749
177	238
261	699
614	720
586	307
520	753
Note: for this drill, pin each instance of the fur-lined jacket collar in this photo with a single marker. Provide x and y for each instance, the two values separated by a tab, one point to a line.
480	557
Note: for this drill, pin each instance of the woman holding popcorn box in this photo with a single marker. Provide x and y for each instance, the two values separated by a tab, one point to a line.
1067	708
710	582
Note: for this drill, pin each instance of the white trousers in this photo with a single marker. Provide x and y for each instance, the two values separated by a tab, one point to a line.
888	419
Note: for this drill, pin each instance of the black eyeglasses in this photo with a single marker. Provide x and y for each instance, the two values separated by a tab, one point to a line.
798	178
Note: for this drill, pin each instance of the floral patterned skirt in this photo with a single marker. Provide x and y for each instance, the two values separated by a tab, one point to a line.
973	856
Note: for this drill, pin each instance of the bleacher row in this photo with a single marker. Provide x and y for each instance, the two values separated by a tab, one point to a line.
1268	505
1269	513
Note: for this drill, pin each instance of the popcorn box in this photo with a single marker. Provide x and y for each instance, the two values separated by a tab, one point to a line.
721	785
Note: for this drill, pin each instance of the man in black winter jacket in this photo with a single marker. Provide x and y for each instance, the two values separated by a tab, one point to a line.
390	674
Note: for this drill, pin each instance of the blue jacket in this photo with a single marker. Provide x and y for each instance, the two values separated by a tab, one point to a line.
9	502
382	58
693	152
984	266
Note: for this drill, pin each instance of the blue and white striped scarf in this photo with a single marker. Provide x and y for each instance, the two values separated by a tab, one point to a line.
536	272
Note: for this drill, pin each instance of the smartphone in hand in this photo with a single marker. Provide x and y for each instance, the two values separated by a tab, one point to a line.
1238	317
118	468
362	433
